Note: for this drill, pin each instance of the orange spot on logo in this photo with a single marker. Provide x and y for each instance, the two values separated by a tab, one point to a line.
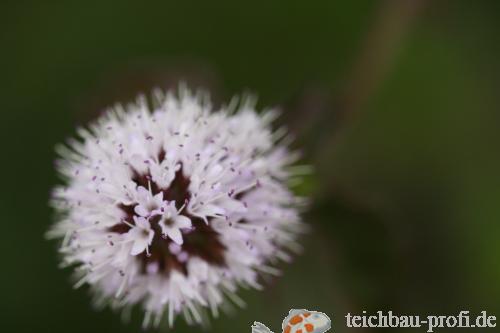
295	320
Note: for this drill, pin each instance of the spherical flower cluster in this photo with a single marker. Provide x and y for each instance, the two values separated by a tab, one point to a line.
173	206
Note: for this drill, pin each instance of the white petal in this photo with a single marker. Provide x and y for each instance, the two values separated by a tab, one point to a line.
176	235
234	205
138	247
142	192
134	234
164	228
158	198
151	236
182	221
142	222
141	210
209	210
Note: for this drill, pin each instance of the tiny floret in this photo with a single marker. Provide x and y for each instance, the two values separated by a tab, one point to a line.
171	205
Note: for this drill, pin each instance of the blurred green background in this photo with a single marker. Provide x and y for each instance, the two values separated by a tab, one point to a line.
395	103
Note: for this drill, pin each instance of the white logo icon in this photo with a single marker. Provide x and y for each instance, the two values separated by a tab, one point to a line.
299	321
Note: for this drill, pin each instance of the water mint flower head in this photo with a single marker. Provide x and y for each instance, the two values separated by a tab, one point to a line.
175	206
